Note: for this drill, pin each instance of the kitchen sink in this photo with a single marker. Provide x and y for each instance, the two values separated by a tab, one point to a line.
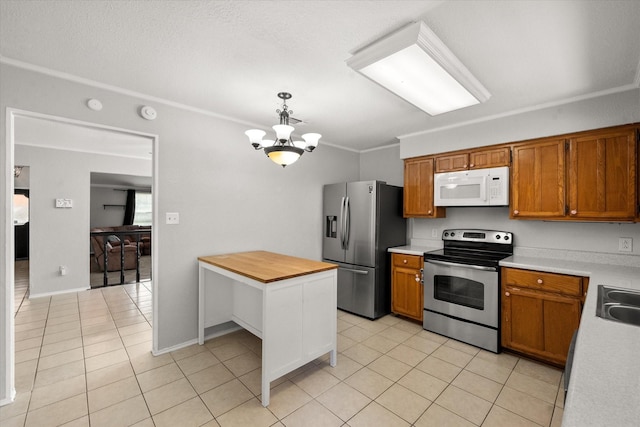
619	305
625	297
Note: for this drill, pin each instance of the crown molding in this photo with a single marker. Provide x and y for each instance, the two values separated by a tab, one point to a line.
511	113
123	91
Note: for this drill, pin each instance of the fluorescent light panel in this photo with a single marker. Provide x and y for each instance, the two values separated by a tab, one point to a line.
414	64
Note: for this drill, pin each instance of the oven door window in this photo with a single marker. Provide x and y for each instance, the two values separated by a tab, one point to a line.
459	291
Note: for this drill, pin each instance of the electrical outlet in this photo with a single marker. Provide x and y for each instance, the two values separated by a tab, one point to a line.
625	244
173	218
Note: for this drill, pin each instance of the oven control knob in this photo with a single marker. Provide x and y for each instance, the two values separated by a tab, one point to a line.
506	237
453	234
497	237
446	234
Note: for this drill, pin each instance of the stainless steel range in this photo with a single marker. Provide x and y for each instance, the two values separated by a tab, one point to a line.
462	286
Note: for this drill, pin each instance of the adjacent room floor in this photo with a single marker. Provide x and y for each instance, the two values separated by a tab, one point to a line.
84	359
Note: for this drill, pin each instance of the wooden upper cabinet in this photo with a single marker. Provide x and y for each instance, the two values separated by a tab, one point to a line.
418	189
452	162
538	180
602	175
476	159
491	158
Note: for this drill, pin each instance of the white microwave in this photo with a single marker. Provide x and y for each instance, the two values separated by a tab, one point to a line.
478	187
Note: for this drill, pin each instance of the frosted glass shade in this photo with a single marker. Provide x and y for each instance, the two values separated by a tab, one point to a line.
267	142
283	155
311	140
283	131
255	136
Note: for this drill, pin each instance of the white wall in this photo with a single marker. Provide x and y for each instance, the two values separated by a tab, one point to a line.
61	236
383	164
230	197
101	216
576	236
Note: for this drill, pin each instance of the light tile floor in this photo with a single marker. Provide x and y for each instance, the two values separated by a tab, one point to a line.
84	359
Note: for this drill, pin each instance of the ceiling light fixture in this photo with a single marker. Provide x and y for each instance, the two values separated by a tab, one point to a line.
415	64
283	151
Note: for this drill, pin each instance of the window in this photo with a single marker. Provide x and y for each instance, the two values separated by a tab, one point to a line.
20	209
143	214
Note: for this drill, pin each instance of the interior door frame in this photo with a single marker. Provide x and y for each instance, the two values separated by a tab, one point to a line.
7	333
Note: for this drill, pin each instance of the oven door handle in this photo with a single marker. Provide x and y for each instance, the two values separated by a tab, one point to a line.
455	264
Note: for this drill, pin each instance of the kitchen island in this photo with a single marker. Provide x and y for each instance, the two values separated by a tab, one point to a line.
288	302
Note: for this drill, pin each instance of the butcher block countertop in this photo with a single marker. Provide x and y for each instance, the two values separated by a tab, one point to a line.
267	267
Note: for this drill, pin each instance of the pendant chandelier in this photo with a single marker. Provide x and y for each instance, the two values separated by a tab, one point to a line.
283	150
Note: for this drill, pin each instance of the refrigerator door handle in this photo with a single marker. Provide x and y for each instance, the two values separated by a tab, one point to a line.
352	270
347	222
342	206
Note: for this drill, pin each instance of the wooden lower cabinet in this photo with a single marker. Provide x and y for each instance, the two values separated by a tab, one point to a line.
540	312
407	294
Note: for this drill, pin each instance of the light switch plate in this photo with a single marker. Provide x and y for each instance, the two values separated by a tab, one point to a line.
64	203
173	218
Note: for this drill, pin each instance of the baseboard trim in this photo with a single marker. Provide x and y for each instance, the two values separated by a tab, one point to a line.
9	399
174	347
195	340
66	291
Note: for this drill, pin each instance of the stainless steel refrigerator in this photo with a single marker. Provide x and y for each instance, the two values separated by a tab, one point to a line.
361	221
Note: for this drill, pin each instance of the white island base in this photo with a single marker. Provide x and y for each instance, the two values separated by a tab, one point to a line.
295	317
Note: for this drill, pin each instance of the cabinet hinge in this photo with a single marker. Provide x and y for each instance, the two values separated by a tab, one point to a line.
566	209
566	145
510	156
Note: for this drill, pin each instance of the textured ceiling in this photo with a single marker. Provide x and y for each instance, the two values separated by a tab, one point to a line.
232	57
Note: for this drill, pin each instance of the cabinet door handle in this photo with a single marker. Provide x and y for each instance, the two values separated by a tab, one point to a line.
464	166
471	165
574	212
516	212
429	212
404	261
417	277
506	294
539	281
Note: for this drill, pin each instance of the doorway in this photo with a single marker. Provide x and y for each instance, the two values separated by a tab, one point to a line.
17	123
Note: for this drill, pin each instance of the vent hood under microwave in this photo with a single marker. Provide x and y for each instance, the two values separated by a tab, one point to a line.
478	187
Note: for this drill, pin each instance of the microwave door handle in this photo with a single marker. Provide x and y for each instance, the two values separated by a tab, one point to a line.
483	188
455	264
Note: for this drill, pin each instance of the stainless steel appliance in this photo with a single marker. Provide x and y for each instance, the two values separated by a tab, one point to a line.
361	221
462	286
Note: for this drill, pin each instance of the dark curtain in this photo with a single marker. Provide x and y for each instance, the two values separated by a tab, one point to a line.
130	208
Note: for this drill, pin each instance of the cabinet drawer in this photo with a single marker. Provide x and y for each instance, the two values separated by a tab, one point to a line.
551	282
408	261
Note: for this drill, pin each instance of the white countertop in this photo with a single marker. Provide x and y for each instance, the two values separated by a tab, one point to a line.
414	249
605	379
